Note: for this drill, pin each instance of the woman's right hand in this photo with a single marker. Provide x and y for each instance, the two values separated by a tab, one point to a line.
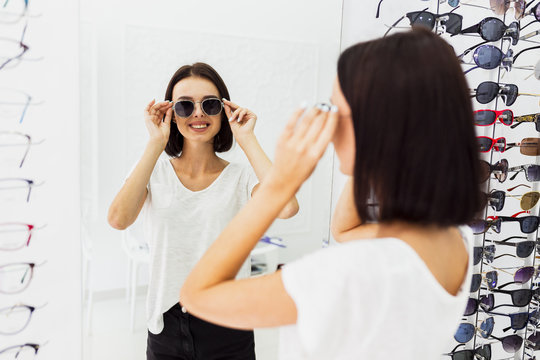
158	128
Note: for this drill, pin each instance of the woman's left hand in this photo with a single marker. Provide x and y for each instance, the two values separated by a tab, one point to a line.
242	120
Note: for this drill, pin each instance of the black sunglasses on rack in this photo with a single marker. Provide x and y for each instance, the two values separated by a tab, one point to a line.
451	22
483	352
490	57
493	29
486	302
500	170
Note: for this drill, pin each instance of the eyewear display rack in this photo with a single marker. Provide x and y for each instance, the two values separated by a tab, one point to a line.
492	327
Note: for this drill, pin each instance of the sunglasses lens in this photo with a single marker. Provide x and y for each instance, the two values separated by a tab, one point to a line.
512	343
499	7
529	224
484	352
496	200
510	94
535	339
485	170
530	146
501	168
477	254
486	92
484	143
183	108
486	327
499	144
488	57
513	29
507	117
454	23
422	18
211	106
478	226
476	282
484	117
519	7
464	333
519	321
524	274
472	306
489	252
492	278
529	200
536	12
525	248
521	297
492	29
487	302
463	355
532	173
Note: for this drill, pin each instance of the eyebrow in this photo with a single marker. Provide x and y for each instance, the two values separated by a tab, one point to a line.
203	98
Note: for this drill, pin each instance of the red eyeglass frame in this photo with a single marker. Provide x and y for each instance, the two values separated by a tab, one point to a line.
493	142
498	114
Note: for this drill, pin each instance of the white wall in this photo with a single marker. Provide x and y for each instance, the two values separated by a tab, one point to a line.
53	80
272	56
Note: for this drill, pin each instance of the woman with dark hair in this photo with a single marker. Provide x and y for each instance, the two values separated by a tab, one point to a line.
189	197
402	127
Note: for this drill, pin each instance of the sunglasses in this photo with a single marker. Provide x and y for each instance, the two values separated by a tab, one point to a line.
487	91
527	201
486	302
520	297
483	352
485	144
185	108
535	11
527	224
532	172
466	331
535	118
500	170
476	280
520	276
523	249
489	117
450	22
520	320
480	226
493	29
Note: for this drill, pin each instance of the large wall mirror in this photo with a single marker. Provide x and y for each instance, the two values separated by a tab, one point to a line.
272	56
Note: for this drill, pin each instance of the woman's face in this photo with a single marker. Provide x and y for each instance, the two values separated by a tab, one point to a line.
198	127
343	140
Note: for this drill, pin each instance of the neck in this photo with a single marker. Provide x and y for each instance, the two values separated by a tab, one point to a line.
198	158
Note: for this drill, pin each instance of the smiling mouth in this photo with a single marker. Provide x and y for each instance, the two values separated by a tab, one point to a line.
199	126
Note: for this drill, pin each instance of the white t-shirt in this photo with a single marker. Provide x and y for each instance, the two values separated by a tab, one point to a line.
370	299
180	225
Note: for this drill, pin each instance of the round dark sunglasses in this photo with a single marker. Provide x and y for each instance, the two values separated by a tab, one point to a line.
185	108
494	29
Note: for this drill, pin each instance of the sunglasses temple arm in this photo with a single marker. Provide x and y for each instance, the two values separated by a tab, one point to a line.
513	126
522	51
471	69
529	35
471	49
394	25
470	30
378	9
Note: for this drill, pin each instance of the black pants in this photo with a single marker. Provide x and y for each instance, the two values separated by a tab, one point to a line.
186	337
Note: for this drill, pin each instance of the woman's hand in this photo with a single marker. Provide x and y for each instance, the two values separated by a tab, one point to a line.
158	129
301	145
242	120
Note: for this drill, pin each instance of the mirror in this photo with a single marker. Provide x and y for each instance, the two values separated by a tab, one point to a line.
272	57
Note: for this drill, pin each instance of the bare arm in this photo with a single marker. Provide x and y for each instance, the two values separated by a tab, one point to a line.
242	123
128	203
210	291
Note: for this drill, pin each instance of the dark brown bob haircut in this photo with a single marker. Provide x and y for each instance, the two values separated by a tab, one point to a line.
224	138
416	146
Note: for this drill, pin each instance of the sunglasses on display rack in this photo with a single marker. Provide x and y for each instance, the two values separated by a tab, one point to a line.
493	29
496	199
532	172
185	108
483	352
534	11
466	331
527	224
521	276
480	226
487	91
534	118
500	170
450	22
487	117
489	57
527	146
520	297
519	320
485	302
500	7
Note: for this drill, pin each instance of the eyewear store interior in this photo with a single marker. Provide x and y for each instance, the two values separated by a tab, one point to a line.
74	80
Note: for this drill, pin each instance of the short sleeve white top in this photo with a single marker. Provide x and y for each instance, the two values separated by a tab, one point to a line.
180	225
370	299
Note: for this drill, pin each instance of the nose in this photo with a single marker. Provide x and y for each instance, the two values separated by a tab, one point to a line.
197	111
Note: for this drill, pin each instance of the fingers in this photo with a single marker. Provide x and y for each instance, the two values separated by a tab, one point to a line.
305	123
235	114
327	132
291	124
241	115
228	111
150	104
231	105
168	116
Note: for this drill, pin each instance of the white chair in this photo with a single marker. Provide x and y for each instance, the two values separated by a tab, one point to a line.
138	254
